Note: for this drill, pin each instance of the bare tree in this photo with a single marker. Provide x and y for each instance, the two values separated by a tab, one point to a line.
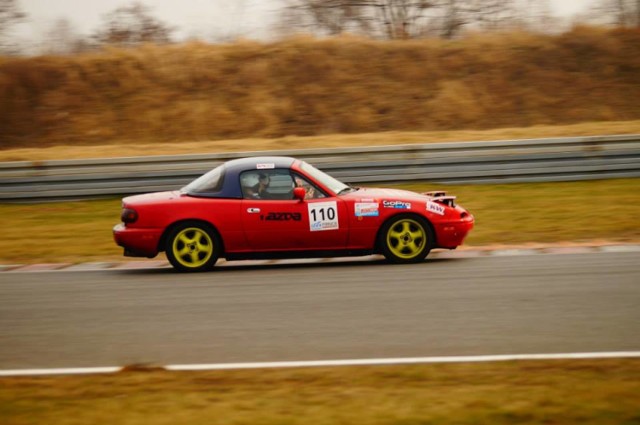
534	14
493	14
10	14
132	25
328	17
62	39
399	19
621	13
393	19
452	16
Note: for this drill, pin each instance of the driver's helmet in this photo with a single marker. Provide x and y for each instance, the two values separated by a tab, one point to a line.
264	179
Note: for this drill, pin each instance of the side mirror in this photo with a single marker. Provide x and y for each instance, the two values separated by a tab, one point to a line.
299	193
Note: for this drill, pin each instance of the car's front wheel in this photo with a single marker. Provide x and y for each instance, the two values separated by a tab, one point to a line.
193	247
406	239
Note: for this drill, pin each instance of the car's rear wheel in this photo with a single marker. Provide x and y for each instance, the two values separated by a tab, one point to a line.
406	239
193	247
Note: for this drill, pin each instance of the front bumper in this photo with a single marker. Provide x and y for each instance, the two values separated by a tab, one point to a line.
137	242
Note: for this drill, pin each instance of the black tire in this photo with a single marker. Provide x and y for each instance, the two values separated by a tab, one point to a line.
406	239
193	246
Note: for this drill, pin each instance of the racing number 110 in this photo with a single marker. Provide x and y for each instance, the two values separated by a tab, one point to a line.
319	214
323	216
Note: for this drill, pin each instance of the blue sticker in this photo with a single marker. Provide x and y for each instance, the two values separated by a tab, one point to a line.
397	205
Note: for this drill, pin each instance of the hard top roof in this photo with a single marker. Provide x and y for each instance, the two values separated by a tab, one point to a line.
230	187
236	166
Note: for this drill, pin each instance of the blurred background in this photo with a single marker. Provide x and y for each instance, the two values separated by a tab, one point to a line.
79	73
106	79
109	79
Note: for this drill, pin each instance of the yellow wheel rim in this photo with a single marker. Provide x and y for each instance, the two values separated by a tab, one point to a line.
406	239
192	247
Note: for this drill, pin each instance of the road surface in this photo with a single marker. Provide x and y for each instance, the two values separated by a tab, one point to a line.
444	307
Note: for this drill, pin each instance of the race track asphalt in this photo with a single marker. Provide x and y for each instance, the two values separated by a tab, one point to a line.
444	307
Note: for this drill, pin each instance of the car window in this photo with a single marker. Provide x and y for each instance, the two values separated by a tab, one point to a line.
267	184
333	184
311	190
210	182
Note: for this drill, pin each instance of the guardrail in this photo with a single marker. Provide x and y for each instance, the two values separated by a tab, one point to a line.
534	160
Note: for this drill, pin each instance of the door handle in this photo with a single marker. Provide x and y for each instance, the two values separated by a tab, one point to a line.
253	210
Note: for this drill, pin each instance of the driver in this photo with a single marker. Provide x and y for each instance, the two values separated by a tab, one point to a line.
309	190
259	190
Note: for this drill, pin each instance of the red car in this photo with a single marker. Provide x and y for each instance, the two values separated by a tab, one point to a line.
280	207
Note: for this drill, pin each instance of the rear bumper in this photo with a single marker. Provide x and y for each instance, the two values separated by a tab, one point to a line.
137	242
451	234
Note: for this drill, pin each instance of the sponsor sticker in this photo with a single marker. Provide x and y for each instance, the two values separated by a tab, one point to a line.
401	205
434	207
323	216
265	166
367	209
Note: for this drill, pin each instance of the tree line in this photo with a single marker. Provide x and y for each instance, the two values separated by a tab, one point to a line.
134	24
126	26
402	19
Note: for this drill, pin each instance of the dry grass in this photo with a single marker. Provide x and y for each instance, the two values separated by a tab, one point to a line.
598	392
59	232
509	214
145	148
303	86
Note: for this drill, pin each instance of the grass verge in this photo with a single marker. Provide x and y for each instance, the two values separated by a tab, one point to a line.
505	214
581	392
140	147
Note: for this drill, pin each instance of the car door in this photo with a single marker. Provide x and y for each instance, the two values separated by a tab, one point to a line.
273	220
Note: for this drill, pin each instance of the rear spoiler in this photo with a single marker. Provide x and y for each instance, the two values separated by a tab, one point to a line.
441	197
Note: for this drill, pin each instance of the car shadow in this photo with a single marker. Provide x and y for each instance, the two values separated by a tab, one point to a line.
312	263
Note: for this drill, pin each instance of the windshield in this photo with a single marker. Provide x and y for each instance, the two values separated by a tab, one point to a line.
207	183
336	186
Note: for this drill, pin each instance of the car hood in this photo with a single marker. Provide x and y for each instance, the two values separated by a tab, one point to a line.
382	193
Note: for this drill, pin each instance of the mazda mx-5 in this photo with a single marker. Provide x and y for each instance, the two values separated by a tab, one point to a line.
281	207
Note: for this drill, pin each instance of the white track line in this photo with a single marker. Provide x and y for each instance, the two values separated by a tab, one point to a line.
65	371
330	363
406	360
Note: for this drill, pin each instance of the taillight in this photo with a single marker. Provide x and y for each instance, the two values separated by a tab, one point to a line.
128	215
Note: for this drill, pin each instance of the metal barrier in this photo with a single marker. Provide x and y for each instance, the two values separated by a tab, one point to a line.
534	160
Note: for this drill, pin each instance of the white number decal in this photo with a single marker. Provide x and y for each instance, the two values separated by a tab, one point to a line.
323	216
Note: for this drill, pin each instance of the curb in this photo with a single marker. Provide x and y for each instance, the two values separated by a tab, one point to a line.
467	252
